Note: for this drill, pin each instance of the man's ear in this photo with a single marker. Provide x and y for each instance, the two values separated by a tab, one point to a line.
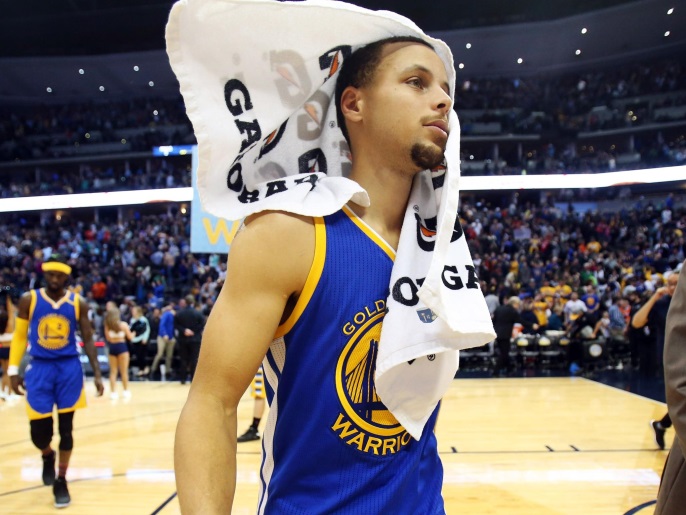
352	104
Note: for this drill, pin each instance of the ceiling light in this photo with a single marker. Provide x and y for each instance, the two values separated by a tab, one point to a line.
151	84
102	88
520	60
123	142
88	135
671	10
667	33
584	30
48	89
578	52
136	68
461	66
81	72
155	112
468	45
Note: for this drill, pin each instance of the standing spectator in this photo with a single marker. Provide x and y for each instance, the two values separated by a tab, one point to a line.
671	498
639	341
504	319
165	341
654	314
140	327
189	324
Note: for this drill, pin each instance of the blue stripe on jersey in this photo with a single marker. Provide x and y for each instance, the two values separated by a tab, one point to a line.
53	325
335	446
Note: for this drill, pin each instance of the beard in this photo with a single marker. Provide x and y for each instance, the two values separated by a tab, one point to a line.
426	157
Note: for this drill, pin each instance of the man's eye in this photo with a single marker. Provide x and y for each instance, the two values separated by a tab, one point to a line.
415	82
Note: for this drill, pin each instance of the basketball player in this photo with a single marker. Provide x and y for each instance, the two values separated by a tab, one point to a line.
259	395
293	286
48	318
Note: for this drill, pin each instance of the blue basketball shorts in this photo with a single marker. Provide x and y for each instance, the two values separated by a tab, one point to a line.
54	382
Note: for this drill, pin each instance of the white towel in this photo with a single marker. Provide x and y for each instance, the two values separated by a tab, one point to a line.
258	79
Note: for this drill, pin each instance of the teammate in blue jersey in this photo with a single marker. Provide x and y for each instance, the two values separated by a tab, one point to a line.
48	319
306	297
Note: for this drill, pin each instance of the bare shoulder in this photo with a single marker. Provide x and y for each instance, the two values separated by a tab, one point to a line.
276	225
24	305
276	242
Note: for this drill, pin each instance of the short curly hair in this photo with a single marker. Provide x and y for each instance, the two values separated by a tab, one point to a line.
359	68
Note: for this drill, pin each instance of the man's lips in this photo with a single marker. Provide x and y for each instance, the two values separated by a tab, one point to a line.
440	125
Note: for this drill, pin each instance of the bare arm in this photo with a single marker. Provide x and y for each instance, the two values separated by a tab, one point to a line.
18	344
268	264
641	317
127	330
86	329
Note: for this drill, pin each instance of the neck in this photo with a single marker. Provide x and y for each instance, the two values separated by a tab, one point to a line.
388	192
55	294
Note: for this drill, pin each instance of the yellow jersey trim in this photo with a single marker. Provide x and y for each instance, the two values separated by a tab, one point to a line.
32	305
54	304
34	415
80	403
371	233
312	280
77	307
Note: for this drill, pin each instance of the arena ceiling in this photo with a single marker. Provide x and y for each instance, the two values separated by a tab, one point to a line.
92	27
44	44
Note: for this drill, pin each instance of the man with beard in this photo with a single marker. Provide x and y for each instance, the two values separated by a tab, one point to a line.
393	101
49	318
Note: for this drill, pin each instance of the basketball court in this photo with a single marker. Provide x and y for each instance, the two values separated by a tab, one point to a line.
514	446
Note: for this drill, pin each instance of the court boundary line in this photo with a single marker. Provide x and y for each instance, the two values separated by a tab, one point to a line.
624	391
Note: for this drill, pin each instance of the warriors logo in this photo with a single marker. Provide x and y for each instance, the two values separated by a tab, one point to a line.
53	331
426	232
365	423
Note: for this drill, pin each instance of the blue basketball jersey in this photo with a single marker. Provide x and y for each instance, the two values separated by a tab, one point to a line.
330	444
52	325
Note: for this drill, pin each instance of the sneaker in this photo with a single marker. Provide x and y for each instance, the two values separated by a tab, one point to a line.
659	433
126	394
49	469
114	396
250	435
61	493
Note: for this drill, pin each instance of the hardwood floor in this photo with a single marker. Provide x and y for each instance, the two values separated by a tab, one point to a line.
517	446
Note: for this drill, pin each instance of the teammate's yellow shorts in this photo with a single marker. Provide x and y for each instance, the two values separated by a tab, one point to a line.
257	389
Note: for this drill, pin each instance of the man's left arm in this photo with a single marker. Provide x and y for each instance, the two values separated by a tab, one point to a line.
675	361
86	329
